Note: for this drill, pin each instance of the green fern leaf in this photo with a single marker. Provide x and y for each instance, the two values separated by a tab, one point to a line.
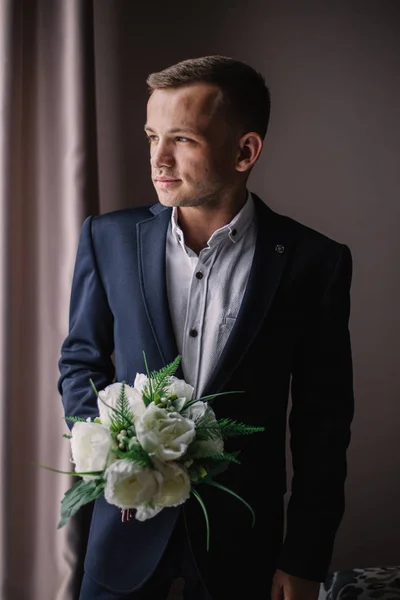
159	380
75	419
121	416
137	455
226	428
204	469
124	410
225	456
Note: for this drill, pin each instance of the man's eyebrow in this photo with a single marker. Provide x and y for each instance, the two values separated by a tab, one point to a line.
176	130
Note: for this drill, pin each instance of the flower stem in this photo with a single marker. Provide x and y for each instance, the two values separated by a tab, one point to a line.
222	487
203	506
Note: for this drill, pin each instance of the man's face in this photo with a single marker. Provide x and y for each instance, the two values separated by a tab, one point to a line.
193	150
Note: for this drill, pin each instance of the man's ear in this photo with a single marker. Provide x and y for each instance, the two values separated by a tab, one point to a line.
250	146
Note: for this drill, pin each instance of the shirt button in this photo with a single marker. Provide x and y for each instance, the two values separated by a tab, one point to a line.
193	333
199	275
234	232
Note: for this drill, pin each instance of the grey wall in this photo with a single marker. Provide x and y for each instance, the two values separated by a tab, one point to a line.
331	160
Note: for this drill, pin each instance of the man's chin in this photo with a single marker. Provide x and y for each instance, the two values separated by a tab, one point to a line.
179	200
168	200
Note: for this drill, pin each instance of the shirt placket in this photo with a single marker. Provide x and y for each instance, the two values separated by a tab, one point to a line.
195	316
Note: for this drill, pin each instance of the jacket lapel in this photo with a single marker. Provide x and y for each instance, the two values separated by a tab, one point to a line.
273	242
151	236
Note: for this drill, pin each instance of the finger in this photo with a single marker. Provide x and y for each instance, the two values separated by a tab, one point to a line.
277	592
176	589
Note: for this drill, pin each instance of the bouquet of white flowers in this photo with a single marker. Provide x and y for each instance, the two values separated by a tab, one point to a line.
150	447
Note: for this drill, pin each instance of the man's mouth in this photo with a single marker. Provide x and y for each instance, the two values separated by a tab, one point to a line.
166	179
165	182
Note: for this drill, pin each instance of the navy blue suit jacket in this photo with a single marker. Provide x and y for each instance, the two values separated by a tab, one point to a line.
291	334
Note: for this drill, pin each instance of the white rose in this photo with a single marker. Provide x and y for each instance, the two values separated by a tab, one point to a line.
165	435
175	486
197	410
179	388
140	382
174	490
90	446
147	511
128	485
109	396
201	410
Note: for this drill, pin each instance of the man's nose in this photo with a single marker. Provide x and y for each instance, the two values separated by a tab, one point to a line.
162	156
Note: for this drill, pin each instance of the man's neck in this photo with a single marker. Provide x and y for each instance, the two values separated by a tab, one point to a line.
200	222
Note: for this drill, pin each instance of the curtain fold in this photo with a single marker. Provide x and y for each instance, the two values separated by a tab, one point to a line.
48	184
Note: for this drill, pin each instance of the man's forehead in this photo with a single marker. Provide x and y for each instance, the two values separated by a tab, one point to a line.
201	98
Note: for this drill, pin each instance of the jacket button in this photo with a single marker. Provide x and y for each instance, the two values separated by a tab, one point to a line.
199	275
279	249
193	333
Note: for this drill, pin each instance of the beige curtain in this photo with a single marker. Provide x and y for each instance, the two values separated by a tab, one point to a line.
48	183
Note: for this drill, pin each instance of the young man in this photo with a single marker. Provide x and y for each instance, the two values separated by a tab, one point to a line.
253	301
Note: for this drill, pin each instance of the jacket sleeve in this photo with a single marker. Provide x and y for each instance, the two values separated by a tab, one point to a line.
86	351
320	423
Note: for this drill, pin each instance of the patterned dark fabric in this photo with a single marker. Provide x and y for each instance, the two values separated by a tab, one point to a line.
362	584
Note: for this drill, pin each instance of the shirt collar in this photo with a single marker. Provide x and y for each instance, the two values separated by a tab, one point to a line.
233	231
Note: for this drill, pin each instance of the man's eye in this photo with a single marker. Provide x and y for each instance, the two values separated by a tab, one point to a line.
151	138
183	139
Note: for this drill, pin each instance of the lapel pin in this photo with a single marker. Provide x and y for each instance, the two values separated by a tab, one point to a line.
279	249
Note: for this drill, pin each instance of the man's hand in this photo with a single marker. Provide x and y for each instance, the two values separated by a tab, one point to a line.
288	587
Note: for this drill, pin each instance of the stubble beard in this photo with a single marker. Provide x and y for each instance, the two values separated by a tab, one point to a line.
211	199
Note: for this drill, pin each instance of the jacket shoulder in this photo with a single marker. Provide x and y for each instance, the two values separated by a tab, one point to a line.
311	241
135	214
301	233
312	251
307	234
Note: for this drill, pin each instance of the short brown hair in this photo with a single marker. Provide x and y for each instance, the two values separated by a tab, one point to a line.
244	92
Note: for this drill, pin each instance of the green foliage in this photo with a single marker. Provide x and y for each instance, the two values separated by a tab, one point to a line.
81	474
206	426
213	483
123	403
225	456
80	494
229	491
204	469
147	393
204	509
68	437
75	419
208	399
94	387
197	471
226	428
121	416
136	454
159	380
